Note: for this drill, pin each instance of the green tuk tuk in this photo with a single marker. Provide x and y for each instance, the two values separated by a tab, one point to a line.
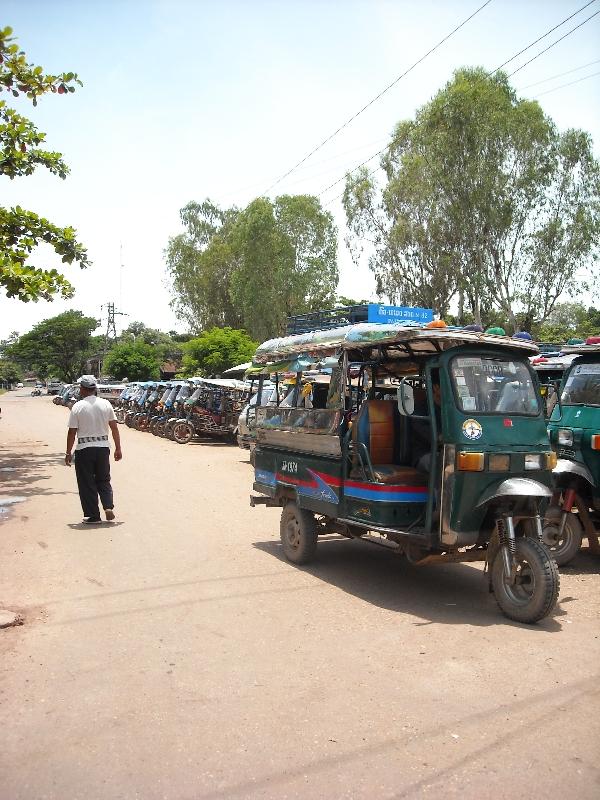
574	428
429	441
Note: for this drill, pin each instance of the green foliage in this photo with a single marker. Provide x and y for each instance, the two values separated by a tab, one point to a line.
484	200
216	350
134	360
200	262
254	267
166	347
342	300
569	320
56	347
20	154
10	372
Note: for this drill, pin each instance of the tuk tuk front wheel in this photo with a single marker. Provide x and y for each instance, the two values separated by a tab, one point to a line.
534	593
563	546
298	532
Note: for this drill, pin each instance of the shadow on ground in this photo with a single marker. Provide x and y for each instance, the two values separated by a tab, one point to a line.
22	472
453	594
103	524
584	563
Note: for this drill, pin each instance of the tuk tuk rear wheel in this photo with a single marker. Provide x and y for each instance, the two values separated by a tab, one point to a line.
565	547
535	592
183	432
298	532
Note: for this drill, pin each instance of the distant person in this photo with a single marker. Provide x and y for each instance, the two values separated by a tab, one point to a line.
89	422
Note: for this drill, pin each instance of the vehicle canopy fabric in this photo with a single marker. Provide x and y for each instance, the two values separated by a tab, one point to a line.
306	350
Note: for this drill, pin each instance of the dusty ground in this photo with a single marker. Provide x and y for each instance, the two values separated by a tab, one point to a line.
174	654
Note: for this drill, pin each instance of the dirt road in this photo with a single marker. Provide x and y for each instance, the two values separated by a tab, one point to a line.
174	654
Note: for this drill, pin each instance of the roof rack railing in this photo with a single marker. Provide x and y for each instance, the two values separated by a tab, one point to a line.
327	318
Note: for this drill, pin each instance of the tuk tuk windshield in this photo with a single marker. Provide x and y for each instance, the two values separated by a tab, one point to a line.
582	386
493	385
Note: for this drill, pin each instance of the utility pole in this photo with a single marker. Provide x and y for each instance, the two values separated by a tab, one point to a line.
111	330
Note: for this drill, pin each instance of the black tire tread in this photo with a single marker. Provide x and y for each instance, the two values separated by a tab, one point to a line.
551	583
308	532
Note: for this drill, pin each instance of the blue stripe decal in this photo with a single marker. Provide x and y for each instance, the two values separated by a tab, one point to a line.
266	477
389	497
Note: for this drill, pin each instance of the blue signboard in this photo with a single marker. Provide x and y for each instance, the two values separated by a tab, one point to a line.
379	313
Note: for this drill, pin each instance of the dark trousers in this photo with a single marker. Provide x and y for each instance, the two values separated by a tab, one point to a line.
92	468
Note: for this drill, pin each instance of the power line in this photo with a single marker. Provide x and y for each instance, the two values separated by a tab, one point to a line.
545	50
335	183
377	97
562	86
559	75
529	46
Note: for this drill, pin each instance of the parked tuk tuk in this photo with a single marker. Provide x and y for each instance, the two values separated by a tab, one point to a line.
550	370
430	441
212	409
574	428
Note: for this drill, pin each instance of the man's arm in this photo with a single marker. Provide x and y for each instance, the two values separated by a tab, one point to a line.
114	429
71	433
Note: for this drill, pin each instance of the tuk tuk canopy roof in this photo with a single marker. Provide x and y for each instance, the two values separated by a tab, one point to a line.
307	349
581	349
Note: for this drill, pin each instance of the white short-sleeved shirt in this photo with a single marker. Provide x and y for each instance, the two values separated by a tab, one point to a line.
91	417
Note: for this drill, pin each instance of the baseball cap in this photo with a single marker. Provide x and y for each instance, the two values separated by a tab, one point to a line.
88	381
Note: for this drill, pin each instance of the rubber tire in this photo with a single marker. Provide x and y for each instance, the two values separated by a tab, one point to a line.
546	583
187	436
573	535
298	532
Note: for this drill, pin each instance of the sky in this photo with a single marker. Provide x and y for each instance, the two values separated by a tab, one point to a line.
185	100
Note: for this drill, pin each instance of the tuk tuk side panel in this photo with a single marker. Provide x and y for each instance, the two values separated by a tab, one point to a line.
384	505
313	480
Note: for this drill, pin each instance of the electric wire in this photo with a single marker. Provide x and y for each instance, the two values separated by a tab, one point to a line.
545	50
362	164
559	75
543	36
564	85
380	95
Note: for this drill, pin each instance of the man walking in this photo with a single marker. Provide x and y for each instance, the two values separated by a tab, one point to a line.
91	417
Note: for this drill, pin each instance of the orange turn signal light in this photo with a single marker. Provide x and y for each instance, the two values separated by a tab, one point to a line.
596	441
551	460
471	462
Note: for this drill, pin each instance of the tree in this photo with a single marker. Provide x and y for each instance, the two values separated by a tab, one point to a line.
20	154
166	347
9	371
134	360
216	350
569	320
199	264
286	262
485	201
56	347
252	268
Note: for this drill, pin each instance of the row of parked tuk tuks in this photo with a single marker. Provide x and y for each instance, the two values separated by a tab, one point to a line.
181	410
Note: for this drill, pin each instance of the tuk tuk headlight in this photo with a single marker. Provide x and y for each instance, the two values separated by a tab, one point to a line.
499	462
533	461
471	462
565	437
